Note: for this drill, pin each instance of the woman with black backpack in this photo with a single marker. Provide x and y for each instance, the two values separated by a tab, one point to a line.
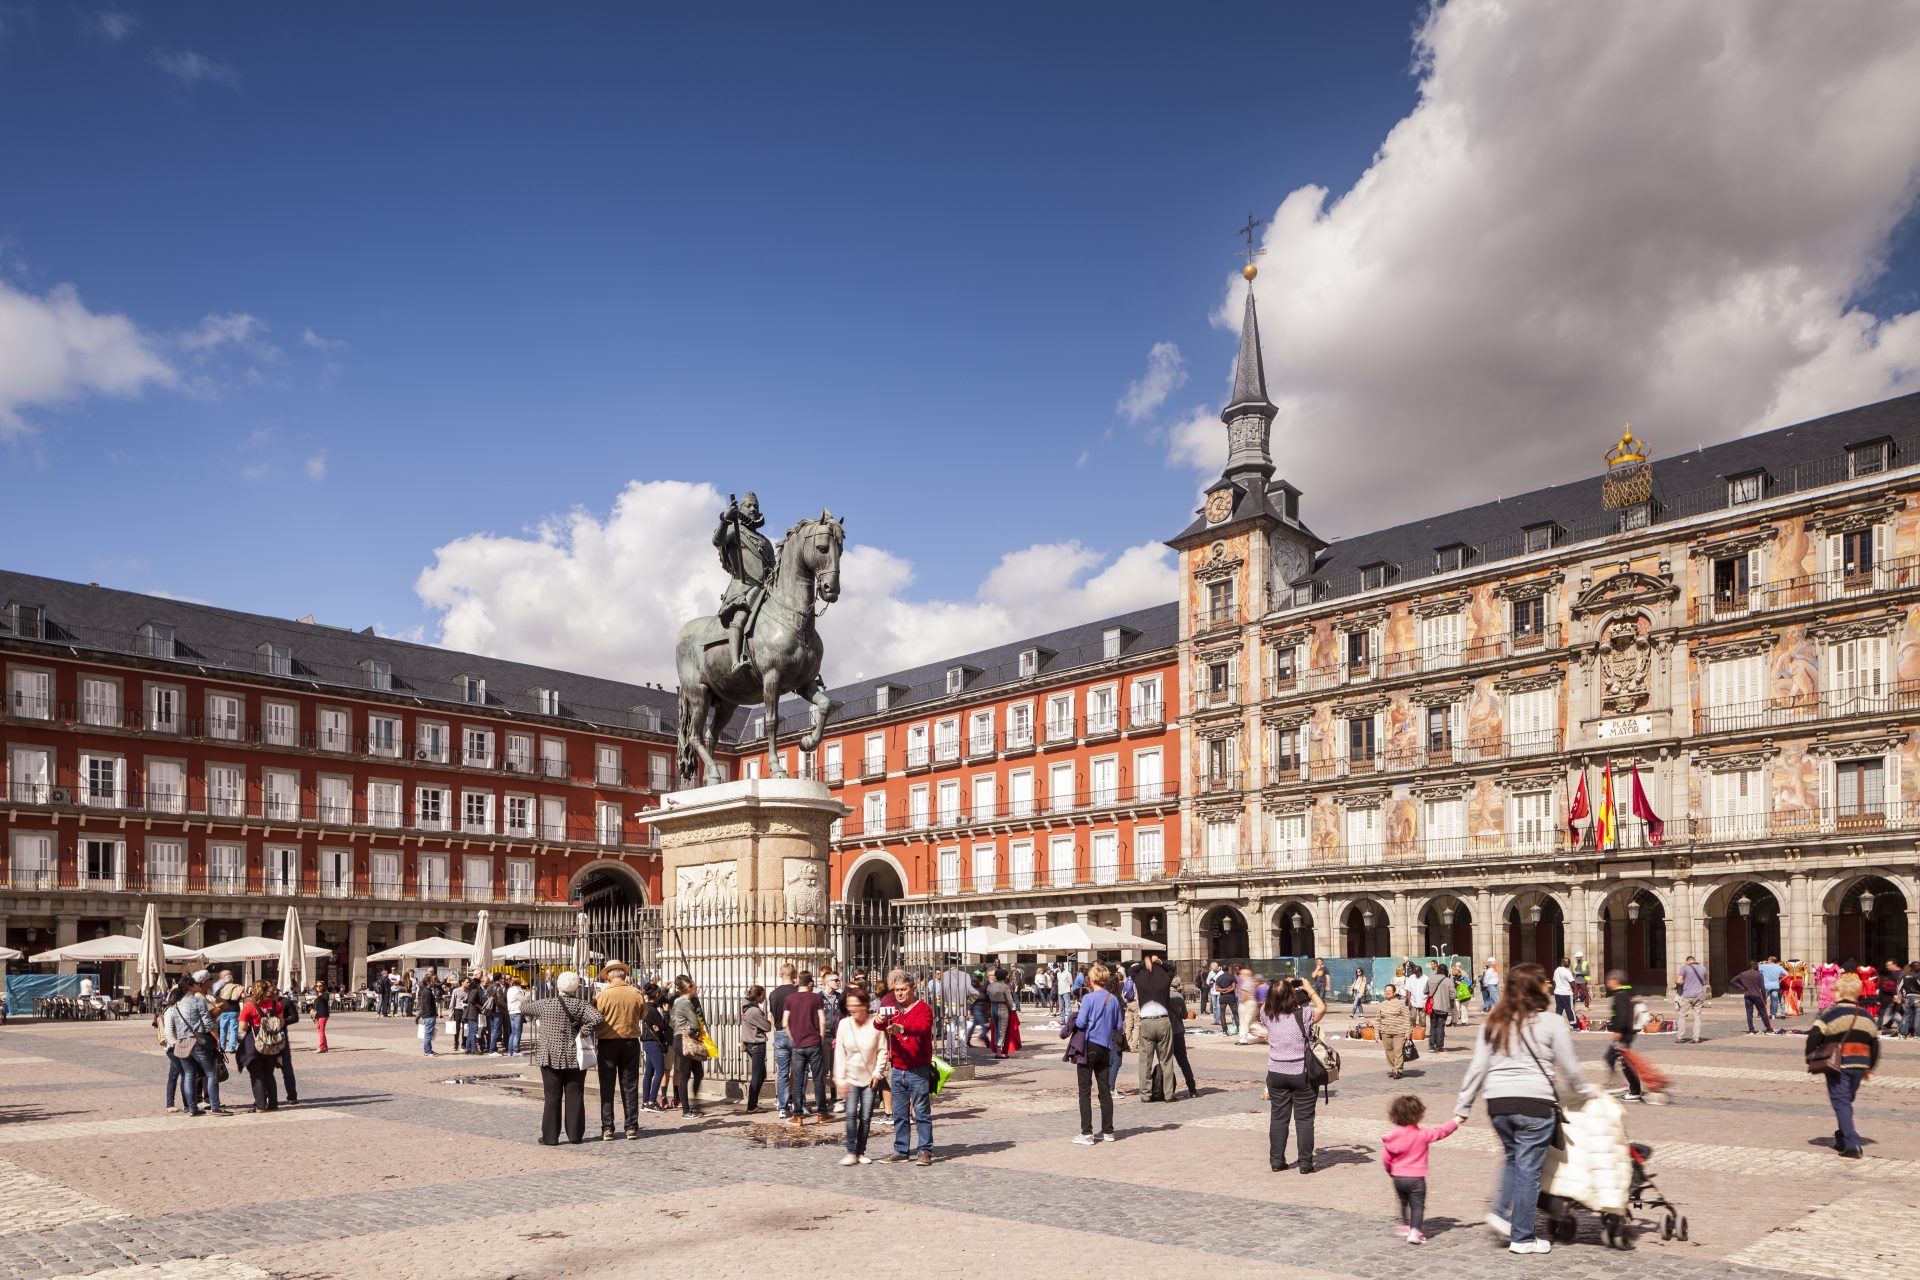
263	1039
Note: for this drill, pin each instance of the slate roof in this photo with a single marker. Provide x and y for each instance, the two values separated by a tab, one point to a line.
1803	456
102	618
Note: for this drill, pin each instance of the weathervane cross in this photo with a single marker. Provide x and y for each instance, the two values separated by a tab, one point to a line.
1253	225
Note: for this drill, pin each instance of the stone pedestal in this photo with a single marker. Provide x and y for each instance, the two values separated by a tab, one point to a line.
744	875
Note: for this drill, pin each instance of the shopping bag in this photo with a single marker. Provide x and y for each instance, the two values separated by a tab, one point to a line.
706	1039
420	1029
941	1070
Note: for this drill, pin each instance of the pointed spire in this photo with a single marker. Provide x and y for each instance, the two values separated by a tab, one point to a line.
1249	372
1249	414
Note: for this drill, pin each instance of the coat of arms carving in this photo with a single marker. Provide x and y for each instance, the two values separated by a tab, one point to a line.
1626	662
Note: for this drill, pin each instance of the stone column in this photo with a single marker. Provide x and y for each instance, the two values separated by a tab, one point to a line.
1402	938
66	932
195	936
1128	954
1798	938
253	926
1716	957
1326	941
357	953
1581	926
1484	936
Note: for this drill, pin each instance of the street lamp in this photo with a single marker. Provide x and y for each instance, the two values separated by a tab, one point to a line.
1633	909
1533	913
1866	902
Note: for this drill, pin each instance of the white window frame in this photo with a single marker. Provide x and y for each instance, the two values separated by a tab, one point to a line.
919	807
520	880
280	869
30	693
1361	834
433	875
947	870
164	800
1019	734
386	803
946	803
35	863
226	868
1533	821
1059	799
165	706
1020	865
166	865
984	862
101	701
469	890
555	759
606	764
1147	702
553	819
980	733
335	877
100	877
89	792
430	808
33	783
1104	858
1103	791
1443	828
385	735
1149	853
518	814
518	756
1149	775
279	722
335	728
226	716
224	801
432	741
946	740
1103	709
608	824
873	812
1062	858
333	798
919	751
280	795
476	747
476	819
1291	840
387	879
1060	726
1019	806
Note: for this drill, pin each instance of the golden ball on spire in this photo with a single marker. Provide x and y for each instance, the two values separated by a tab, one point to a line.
1249	271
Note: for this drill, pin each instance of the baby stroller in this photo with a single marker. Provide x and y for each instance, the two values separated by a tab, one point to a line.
1603	1173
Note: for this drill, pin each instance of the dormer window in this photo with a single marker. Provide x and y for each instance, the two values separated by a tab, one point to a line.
1029	662
547	701
956	679
1373	577
649	716
882	697
1637	516
1110	642
379	675
1868	459
278	659
29	621
1745	489
1539	537
157	638
473	690
1447	559
757	728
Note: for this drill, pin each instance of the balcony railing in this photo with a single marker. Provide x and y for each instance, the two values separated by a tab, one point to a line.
1405	662
1209	697
254	881
873	767
1146	715
1817	588
1882	698
1078	803
1322	768
331	814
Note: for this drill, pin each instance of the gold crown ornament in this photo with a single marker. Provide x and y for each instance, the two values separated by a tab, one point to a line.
1629	449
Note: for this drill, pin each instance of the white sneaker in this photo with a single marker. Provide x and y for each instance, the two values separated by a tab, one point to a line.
1499	1225
1401	1228
849	1159
1085	1140
866	1159
1106	1137
1531	1246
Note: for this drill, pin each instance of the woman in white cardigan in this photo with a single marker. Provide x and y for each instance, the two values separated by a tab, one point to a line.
1521	1046
859	1063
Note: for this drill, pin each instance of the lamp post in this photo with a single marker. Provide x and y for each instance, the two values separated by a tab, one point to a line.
1746	913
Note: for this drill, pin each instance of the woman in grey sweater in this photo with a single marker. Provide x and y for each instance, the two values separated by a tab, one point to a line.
755	1026
1521	1046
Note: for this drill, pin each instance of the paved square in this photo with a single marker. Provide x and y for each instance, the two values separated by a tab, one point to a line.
398	1165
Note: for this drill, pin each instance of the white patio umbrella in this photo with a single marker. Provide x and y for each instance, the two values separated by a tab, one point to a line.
294	966
427	949
548	951
483	944
8	953
1076	937
153	960
252	948
580	953
976	940
115	946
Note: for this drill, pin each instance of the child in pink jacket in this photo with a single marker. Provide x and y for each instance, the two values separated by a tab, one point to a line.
1404	1150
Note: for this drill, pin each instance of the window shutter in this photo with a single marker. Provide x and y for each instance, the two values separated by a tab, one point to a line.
1755	570
1890	786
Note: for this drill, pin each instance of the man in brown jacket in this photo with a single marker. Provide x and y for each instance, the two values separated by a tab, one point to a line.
1393	1024
620	1005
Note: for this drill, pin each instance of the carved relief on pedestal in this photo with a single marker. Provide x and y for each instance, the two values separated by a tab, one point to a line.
701	892
805	888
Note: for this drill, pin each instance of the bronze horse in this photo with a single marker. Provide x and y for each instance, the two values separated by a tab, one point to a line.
784	656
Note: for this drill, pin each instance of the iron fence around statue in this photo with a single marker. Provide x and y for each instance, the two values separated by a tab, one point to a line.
730	946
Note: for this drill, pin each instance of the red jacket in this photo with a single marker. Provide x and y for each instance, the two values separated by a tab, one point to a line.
909	1033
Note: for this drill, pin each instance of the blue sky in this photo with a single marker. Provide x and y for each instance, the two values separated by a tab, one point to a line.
921	256
409	274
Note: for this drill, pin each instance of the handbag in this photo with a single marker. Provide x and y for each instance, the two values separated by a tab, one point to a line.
1322	1063
693	1046
1830	1057
586	1045
1559	1141
1411	1053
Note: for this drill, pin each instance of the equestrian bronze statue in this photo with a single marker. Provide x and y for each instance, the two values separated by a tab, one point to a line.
763	643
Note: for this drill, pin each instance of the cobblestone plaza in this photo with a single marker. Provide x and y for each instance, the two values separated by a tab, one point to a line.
394	1165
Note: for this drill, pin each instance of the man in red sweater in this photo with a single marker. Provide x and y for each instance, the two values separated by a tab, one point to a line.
908	1022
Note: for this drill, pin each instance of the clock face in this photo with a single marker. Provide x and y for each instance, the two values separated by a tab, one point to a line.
1219	505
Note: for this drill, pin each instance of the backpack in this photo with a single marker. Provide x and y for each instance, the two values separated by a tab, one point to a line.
1322	1060
270	1037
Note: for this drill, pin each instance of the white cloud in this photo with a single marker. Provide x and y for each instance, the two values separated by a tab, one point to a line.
236	330
312	339
256	471
1166	373
1596	213
113	25
53	350
190	68
608	596
316	466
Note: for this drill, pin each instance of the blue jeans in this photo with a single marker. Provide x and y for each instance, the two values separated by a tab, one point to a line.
783	1070
1773	1002
175	1069
652	1077
1489	997
1113	1069
1910	1016
471	1028
1359	1003
1841	1088
207	1059
912	1093
1517	1199
514	1022
427	1042
1066	1004
860	1100
807	1067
